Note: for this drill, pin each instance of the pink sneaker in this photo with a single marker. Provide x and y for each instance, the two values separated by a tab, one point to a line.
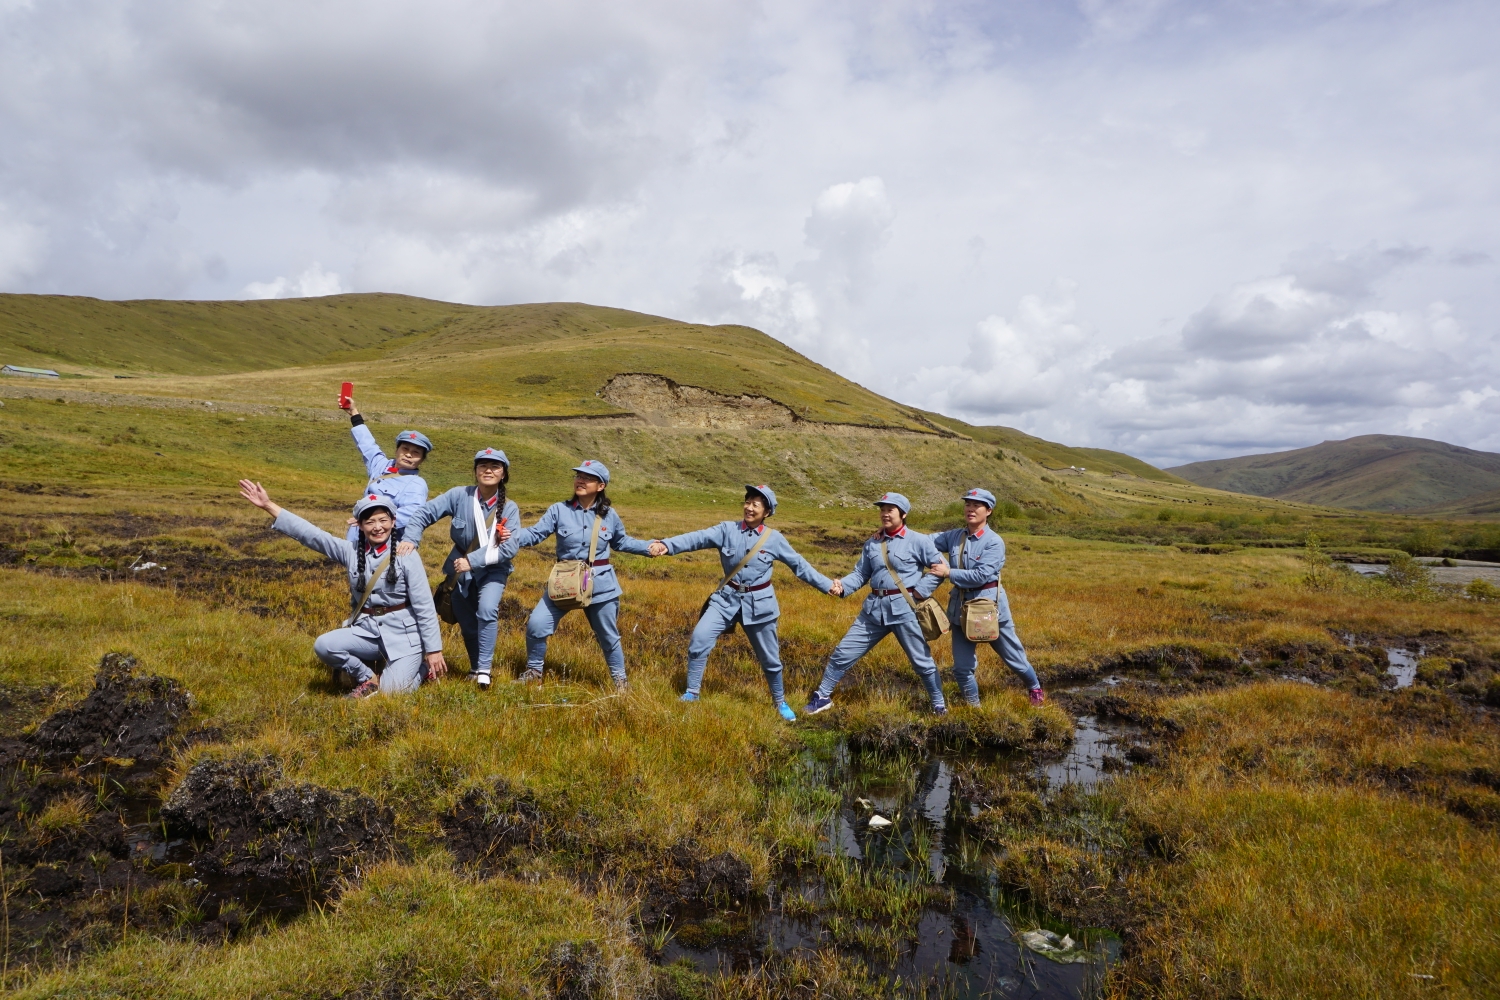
1038	696
369	687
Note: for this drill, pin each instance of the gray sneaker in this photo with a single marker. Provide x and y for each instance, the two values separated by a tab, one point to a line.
529	676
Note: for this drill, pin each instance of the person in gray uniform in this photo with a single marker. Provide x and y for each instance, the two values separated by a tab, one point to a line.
572	521
976	554
392	617
395	479
748	597
886	611
482	528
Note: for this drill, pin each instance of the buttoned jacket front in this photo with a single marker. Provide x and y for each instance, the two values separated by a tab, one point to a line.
911	552
458	504
733	540
980	564
404	488
573	526
413	629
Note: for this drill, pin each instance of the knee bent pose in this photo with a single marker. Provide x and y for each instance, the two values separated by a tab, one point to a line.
482	528
748	597
391	618
886	611
573	522
976	555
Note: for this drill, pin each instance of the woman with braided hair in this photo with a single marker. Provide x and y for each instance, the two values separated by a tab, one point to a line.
482	524
392	617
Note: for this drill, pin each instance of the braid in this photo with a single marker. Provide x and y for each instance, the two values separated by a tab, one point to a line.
390	573
361	547
500	500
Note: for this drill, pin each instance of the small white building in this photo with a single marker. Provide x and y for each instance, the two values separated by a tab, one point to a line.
29	372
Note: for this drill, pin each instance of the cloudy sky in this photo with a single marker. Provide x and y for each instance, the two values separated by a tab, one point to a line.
1182	229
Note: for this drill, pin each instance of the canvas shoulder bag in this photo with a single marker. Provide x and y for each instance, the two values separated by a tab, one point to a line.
370	587
570	585
930	614
981	616
760	543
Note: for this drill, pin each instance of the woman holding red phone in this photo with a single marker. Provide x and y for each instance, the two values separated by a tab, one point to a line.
394	479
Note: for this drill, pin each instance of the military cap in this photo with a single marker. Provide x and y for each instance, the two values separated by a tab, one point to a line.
415	437
983	496
895	500
491	455
766	492
372	501
594	468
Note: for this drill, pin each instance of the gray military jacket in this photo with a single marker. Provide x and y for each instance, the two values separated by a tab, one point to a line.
414	629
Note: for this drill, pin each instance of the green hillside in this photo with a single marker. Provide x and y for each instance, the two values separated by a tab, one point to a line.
1372	472
415	358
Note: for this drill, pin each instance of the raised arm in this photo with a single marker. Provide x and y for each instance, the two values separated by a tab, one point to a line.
782	549
376	462
525	538
424	517
294	527
621	541
692	541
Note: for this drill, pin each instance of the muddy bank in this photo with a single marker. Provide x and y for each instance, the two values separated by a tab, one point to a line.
91	854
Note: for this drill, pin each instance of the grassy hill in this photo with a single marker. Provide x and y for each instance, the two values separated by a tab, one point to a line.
416	359
1371	472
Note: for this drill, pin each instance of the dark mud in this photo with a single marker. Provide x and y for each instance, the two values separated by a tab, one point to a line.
90	855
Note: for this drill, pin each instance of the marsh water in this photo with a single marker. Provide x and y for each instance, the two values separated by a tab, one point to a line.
963	945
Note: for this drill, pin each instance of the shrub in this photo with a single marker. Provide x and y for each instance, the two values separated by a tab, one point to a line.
1482	590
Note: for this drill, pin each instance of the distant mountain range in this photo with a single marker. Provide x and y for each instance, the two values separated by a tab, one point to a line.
1372	472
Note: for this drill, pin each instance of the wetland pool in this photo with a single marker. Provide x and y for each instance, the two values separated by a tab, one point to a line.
898	825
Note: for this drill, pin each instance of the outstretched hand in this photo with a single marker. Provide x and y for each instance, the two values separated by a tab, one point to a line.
256	494
657	549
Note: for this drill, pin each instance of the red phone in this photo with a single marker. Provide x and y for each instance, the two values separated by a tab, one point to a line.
346	395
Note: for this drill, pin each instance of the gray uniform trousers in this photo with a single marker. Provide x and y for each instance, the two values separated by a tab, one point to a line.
603	618
717	620
862	637
355	648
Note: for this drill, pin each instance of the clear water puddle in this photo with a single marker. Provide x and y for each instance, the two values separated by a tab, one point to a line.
961	942
1403	665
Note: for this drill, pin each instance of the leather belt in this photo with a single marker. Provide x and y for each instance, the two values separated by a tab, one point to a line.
885	593
975	590
746	590
377	612
601	562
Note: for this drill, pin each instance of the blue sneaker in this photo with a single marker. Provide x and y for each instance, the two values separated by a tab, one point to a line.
688	696
786	711
818	703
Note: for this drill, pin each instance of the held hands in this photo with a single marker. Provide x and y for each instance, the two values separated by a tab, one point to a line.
837	590
437	667
657	549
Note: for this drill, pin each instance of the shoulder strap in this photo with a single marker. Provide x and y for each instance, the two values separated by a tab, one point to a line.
594	538
759	544
885	557
958	557
370	589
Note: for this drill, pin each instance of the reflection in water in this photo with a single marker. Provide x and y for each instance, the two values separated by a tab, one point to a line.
967	946
1403	665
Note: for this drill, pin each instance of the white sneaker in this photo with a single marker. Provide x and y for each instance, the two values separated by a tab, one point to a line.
482	681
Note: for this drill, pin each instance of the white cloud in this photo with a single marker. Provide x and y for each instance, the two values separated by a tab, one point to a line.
892	188
310	283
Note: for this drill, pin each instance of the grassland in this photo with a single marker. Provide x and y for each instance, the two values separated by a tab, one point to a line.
1278	838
